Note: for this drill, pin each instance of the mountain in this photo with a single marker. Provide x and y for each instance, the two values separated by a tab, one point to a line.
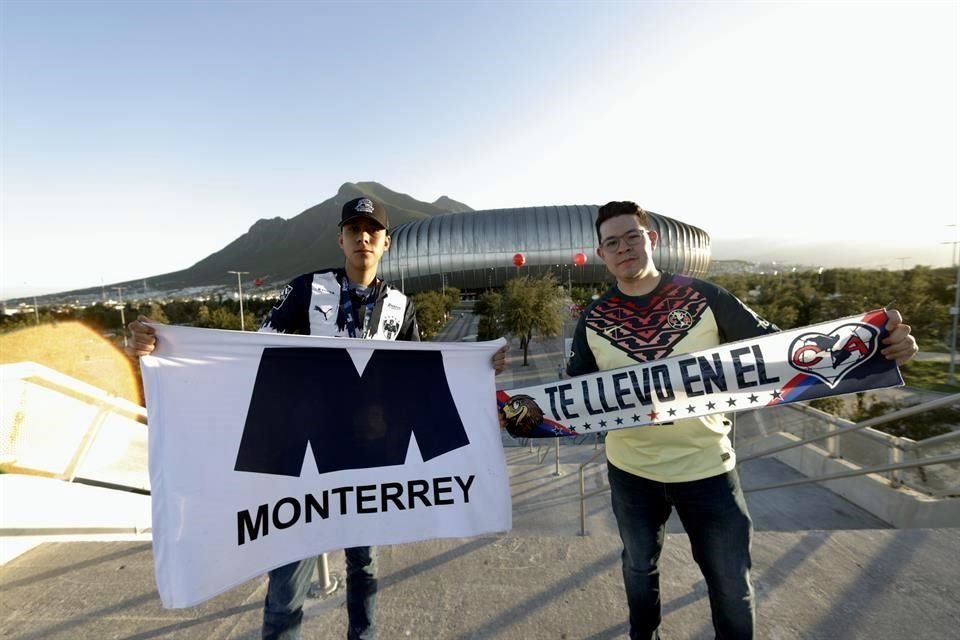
277	249
451	205
280	249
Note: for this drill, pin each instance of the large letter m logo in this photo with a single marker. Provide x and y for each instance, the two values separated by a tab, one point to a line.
316	397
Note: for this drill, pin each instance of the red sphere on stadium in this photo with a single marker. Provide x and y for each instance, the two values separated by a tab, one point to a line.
519	260
580	259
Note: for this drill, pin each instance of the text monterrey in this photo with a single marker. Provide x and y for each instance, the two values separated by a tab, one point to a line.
352	500
351	421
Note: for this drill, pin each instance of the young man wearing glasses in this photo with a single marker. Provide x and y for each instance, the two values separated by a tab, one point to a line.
687	464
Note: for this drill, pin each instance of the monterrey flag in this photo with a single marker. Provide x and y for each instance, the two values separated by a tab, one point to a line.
265	449
828	359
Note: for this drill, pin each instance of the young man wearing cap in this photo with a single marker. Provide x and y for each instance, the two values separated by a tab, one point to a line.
687	464
343	302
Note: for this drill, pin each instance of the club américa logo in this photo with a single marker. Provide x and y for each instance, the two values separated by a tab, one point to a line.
831	356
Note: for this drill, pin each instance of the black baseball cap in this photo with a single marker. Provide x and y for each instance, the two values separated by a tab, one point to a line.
365	208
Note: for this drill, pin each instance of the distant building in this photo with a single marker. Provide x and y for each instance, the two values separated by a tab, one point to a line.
475	250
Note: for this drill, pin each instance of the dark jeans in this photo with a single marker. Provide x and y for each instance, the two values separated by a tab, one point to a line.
714	515
289	584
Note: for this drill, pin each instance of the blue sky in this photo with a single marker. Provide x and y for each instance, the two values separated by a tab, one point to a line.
139	137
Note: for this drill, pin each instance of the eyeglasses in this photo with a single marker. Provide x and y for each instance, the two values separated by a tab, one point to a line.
632	238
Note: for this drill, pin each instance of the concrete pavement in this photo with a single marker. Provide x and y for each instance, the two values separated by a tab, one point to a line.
881	584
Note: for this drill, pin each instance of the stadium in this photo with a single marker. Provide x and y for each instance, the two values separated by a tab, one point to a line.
478	250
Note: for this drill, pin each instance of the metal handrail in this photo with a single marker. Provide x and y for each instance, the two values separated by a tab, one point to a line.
909	411
26	370
106	402
70	473
327	583
896	415
584	495
926	462
72	531
919	444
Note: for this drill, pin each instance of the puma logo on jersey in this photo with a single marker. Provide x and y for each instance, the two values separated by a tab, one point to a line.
325	309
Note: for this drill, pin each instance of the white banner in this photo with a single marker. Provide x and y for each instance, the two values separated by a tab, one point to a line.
266	449
828	359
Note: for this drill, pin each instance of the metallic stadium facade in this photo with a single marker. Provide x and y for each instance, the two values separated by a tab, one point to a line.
474	250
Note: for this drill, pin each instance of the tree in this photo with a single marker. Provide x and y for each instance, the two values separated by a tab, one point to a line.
489	307
182	312
451	297
223	318
432	310
532	305
154	311
922	295
202	319
582	296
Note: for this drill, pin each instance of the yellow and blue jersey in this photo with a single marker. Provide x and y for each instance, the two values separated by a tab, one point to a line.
681	315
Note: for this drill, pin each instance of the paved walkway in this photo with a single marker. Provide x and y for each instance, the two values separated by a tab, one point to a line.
829	585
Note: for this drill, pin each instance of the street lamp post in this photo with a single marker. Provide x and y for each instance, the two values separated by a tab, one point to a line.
955	312
36	309
123	317
953	249
240	293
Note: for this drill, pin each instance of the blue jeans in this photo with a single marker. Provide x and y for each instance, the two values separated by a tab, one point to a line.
714	515
288	587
